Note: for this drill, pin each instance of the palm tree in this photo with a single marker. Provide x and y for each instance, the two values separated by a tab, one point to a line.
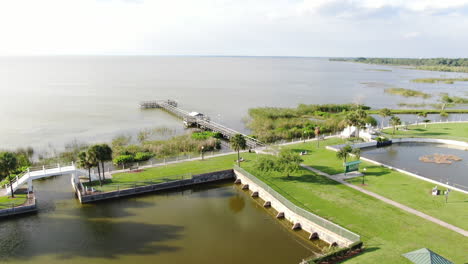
350	119
361	119
105	155
384	112
95	152
8	163
395	121
238	142
344	152
356	152
421	114
86	160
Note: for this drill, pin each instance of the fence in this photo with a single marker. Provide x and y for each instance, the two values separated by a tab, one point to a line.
106	187
306	214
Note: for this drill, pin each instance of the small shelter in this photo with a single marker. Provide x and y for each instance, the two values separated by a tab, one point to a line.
426	256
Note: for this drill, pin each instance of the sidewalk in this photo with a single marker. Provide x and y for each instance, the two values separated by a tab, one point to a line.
391	202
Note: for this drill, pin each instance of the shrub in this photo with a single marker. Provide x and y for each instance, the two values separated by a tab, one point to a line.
123	159
142	156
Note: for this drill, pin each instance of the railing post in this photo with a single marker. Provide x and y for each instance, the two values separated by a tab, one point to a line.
43	169
29	172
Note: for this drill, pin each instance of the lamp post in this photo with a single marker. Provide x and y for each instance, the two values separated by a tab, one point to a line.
363	175
202	148
305	132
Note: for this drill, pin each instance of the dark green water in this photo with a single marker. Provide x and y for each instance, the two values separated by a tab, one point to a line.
210	224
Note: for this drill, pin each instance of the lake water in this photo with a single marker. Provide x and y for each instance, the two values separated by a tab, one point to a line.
217	223
406	156
48	101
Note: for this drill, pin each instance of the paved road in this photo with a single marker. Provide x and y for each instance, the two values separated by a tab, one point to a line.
391	202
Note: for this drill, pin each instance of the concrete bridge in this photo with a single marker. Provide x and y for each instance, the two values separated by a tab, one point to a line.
199	120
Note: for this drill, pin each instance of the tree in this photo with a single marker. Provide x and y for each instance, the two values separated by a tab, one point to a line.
395	121
238	142
350	119
96	151
105	155
384	112
86	160
421	114
344	152
266	163
8	163
288	161
361	119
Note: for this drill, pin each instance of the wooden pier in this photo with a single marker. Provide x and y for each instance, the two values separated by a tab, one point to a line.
199	120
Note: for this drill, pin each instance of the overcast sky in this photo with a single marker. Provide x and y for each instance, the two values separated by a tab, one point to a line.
379	28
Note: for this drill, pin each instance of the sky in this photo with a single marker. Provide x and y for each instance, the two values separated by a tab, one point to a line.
317	28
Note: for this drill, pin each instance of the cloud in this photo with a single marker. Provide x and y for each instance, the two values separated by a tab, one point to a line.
230	27
410	35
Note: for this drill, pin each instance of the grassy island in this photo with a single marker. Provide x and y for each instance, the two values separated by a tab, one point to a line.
407	92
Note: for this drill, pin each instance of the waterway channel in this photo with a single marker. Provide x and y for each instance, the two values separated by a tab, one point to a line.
215	223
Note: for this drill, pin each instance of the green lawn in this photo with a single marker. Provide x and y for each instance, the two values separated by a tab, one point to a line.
455	131
386	230
171	172
394	185
6	201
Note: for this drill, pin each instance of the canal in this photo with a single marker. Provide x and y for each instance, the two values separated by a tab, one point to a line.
216	223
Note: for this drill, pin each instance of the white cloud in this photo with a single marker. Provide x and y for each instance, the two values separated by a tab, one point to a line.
411	35
231	27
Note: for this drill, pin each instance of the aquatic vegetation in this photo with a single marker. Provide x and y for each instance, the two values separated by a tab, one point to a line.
436	80
440	158
433	64
407	92
445	98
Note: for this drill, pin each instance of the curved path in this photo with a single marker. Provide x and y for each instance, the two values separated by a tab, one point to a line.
391	202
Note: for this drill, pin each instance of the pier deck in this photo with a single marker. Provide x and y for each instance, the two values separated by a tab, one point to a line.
200	121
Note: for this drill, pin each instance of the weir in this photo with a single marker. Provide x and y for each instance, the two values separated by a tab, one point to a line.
199	120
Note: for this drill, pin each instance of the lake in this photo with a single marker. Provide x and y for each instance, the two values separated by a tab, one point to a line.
47	102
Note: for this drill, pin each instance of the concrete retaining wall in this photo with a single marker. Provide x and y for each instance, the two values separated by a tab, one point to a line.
23	209
297	220
196	179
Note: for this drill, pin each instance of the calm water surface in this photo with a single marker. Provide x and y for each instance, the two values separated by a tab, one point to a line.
212	224
406	156
48	101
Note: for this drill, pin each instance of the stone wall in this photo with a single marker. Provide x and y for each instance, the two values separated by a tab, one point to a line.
196	179
288	213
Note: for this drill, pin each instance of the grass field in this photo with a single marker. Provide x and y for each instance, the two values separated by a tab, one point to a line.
455	131
170	172
386	231
6	201
394	185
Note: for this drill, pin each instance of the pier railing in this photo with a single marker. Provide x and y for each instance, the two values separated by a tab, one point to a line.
343	232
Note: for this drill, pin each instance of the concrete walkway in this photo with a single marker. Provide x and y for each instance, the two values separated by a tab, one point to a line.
391	202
